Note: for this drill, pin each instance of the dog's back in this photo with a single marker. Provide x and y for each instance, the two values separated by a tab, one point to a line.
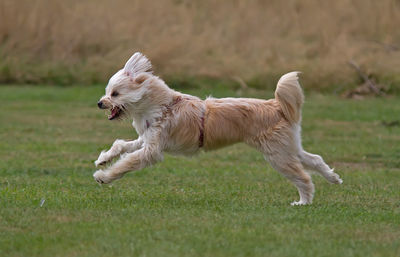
232	120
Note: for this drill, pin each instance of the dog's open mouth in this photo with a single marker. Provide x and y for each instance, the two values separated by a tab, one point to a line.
115	113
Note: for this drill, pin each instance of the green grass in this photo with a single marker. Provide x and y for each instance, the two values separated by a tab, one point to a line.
224	203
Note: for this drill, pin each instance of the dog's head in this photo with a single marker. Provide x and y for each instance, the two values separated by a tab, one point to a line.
127	88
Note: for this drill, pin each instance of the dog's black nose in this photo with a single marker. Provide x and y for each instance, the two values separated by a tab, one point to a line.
100	104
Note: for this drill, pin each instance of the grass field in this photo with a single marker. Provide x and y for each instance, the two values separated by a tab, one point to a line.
224	203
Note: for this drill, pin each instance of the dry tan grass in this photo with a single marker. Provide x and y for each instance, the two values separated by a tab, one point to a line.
86	41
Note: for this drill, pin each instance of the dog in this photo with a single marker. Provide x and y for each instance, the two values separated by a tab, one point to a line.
177	123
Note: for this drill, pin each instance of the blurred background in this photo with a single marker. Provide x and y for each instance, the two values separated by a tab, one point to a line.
84	42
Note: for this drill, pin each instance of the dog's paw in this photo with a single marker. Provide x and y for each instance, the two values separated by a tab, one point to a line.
102	177
334	177
295	203
100	163
102	160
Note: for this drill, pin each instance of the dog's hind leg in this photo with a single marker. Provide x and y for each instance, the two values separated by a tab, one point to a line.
280	150
316	163
291	168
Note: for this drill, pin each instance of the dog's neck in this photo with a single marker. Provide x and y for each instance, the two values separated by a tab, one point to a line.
161	98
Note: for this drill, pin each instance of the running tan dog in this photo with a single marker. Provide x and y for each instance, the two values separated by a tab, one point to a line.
169	121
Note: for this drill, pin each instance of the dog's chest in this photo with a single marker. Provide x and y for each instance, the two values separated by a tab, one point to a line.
139	126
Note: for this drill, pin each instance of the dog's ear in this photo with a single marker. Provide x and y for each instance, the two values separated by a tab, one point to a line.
138	63
142	77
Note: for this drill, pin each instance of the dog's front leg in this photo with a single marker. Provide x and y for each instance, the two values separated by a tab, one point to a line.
119	147
144	157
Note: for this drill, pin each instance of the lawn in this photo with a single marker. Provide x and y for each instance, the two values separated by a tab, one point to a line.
224	203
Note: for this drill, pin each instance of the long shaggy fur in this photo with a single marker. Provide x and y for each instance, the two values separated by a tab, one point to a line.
169	121
290	96
138	63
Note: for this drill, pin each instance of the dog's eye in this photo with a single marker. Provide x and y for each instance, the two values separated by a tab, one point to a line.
115	93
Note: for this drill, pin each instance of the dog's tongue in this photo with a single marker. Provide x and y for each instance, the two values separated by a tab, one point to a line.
114	112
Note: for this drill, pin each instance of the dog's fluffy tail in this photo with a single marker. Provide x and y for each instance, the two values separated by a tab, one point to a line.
290	96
